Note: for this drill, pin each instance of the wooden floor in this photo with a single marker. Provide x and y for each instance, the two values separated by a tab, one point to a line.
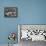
30	43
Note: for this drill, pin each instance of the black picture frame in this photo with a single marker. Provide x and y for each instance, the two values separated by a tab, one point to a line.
10	11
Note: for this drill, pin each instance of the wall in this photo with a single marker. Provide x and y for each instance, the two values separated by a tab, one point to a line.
29	12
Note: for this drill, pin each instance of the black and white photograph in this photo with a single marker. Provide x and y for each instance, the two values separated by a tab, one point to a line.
10	11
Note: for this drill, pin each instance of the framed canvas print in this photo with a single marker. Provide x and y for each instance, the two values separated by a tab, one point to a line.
10	11
32	32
